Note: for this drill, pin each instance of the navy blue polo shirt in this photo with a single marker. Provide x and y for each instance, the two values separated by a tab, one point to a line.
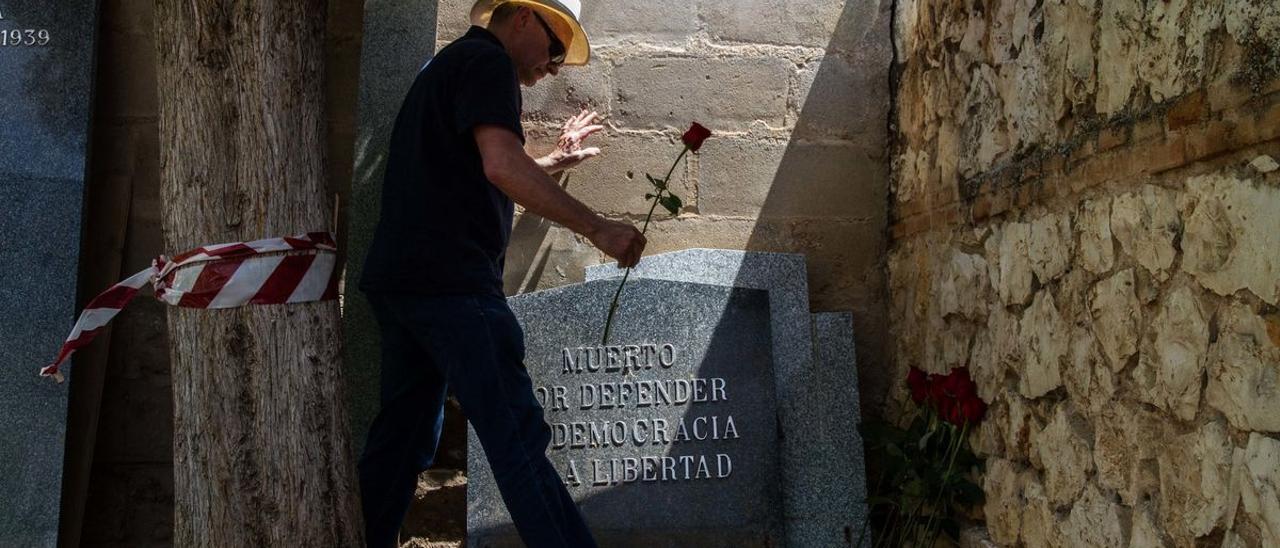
444	227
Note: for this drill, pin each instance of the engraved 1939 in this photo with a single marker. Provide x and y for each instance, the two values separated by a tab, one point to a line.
24	37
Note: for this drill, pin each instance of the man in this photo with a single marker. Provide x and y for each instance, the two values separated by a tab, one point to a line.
434	271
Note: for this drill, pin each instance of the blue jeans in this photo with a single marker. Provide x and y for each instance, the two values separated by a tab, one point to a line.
473	344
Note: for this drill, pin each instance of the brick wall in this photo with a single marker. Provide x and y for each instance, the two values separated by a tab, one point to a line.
797	95
1084	212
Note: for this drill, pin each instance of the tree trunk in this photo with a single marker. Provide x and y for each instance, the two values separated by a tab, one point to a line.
261	451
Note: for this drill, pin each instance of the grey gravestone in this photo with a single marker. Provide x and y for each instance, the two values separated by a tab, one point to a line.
710	477
399	37
46	77
836	469
824	482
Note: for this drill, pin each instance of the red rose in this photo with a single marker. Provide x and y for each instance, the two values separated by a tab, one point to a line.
959	385
695	136
952	412
937	392
918	382
973	409
942	406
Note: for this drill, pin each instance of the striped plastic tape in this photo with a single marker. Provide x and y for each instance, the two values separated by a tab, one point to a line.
296	269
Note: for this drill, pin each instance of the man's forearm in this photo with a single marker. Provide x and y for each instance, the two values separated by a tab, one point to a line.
508	167
523	180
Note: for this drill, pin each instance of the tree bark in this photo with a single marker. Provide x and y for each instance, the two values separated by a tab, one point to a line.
261	451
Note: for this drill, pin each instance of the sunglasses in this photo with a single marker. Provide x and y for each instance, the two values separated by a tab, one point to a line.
555	51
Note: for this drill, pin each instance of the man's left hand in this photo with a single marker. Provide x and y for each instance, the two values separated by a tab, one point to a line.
569	151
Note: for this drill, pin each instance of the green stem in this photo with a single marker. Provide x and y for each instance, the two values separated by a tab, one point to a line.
866	521
913	523
862	531
613	305
928	525
959	441
953	448
666	181
886	531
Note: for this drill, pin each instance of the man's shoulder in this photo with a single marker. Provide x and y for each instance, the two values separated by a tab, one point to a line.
468	49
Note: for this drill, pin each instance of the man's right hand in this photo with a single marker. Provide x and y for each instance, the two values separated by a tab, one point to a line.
619	240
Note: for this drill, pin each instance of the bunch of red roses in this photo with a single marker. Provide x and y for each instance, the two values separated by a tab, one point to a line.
928	480
953	397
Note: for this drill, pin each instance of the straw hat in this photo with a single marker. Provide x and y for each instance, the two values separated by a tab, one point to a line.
561	15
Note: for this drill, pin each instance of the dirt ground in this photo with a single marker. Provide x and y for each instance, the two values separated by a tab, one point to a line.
438	516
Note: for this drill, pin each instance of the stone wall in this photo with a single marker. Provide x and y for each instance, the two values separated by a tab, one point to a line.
1086	212
797	94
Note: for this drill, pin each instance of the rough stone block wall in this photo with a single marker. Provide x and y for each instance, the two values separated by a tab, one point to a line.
1086	213
797	93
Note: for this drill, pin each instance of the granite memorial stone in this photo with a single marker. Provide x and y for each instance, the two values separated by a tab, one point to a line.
46	76
668	436
823	476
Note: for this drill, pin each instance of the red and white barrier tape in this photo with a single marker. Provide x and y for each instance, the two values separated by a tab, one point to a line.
219	276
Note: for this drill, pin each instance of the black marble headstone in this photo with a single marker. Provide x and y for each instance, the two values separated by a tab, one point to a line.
668	435
46	78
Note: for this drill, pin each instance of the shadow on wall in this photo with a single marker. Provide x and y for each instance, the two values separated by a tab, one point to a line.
829	197
821	190
525	266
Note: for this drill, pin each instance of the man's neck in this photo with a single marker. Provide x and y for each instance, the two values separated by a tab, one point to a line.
504	35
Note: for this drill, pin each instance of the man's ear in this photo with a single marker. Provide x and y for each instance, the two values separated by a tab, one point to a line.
524	17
